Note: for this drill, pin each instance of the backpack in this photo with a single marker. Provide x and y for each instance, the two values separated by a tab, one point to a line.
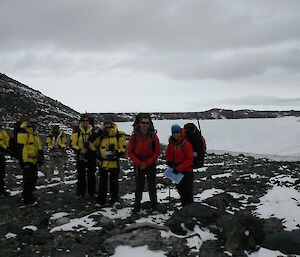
197	141
15	149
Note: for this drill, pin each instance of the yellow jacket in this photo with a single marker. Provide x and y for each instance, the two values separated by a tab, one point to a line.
57	144
81	140
4	140
31	142
111	147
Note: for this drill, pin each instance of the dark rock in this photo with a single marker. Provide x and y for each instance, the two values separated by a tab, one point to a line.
242	232
272	225
253	199
138	237
189	216
221	201
212	248
287	242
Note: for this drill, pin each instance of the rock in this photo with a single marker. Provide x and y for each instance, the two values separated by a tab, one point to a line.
272	225
253	199
221	201
62	221
139	237
189	216
242	231
212	248
144	225
287	242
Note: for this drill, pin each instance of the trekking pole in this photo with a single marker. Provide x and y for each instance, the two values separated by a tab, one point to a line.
169	197
198	121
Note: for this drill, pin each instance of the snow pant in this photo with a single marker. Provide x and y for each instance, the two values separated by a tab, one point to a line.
140	177
58	162
30	176
113	175
86	168
185	188
2	173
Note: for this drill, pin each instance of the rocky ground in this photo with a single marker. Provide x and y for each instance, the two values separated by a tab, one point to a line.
223	221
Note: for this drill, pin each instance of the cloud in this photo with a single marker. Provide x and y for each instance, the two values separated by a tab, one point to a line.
210	49
263	100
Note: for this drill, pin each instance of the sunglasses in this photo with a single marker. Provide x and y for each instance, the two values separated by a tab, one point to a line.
33	122
108	127
85	120
145	122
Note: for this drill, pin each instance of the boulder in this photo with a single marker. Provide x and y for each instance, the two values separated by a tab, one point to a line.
287	242
191	215
242	231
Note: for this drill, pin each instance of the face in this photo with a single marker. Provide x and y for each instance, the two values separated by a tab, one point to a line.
55	129
176	135
144	125
32	122
108	127
85	121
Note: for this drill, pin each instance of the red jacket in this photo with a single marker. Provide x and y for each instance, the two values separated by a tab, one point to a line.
180	154
143	149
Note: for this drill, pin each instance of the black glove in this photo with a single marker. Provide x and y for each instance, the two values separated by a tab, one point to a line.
175	171
172	164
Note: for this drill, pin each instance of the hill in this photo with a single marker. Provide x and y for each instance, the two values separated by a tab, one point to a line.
16	98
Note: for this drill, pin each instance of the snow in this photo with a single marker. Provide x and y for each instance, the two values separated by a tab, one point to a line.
144	251
58	215
271	137
162	195
263	252
208	193
30	227
283	203
76	224
10	235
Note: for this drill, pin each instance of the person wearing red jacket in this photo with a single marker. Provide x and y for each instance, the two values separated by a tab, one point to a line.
179	156
143	150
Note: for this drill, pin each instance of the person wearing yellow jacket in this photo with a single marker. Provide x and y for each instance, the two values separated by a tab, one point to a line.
31	156
57	144
86	157
4	143
112	146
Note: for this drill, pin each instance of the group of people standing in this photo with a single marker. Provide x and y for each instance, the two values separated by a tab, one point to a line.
106	144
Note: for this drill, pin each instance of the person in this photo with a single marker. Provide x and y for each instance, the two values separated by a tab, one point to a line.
112	146
31	151
143	150
179	156
57	144
4	144
85	157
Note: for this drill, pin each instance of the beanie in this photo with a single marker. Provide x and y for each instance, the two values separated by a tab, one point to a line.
175	128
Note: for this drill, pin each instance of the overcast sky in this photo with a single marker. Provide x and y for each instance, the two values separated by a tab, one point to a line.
158	55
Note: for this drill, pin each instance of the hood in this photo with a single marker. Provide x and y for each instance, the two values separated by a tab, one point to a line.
112	131
89	129
180	139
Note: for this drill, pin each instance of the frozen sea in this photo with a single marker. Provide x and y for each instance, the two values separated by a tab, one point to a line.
276	138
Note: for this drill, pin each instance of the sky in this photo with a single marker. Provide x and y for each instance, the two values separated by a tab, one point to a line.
170	55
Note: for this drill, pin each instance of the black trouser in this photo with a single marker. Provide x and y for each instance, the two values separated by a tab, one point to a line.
113	174
2	173
140	177
86	168
30	176
185	188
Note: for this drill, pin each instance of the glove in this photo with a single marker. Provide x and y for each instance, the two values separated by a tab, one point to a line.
175	171
171	164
